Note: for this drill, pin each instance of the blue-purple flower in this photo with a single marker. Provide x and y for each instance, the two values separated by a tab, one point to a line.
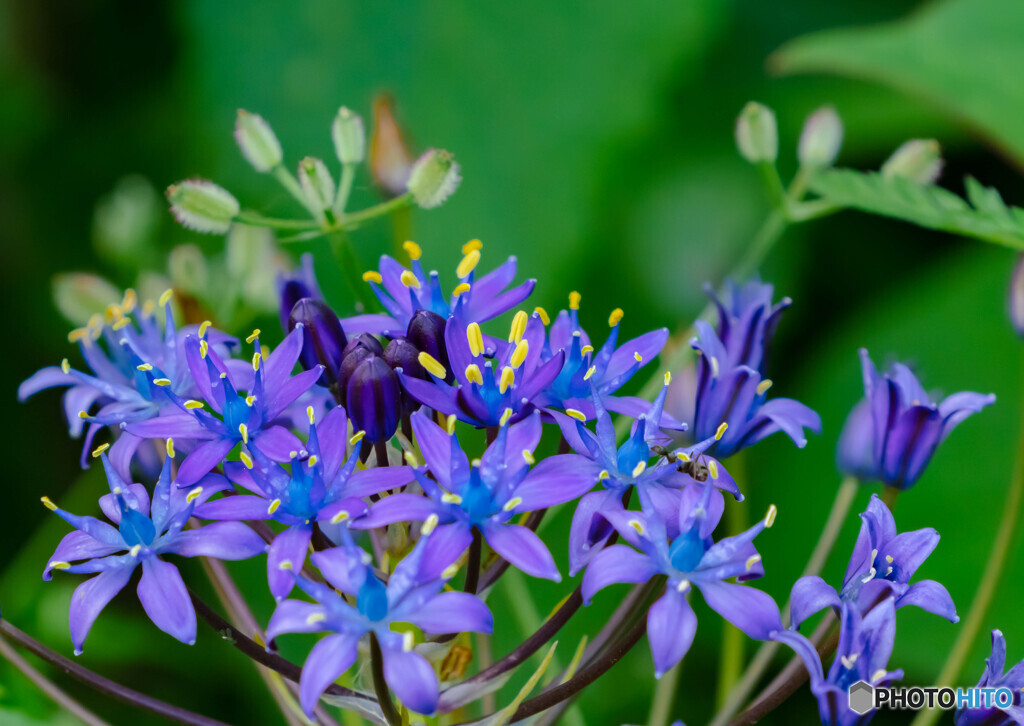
892	434
488	493
292	287
411	595
323	487
690	559
141	533
746	322
994	677
881	566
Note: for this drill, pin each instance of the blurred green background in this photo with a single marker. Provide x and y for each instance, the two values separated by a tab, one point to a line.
596	142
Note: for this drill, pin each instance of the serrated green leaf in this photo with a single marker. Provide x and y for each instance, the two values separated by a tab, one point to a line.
989	219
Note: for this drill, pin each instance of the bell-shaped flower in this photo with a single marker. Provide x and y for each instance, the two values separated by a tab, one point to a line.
892	434
141	533
994	677
881	566
746	322
412	595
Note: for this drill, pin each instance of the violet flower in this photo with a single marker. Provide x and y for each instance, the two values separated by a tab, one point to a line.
892	434
881	566
746	322
292	287
994	677
142	532
411	595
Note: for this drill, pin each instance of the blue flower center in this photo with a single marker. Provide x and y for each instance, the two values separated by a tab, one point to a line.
135	527
686	551
372	600
236	412
477	502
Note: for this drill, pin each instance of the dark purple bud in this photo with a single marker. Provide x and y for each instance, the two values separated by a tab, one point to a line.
426	333
364	340
374	399
323	340
296	285
400	353
349	362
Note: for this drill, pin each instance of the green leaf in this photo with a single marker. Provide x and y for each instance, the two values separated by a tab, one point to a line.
963	56
989	219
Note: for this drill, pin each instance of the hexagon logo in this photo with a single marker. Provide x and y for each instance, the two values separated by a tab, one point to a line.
862	697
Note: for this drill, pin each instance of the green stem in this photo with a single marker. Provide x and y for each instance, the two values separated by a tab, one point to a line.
255	219
345	254
380	686
348	175
291	184
730	666
351	221
664	694
986	586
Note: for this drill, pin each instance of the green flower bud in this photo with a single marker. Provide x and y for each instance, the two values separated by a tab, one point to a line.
189	271
257	141
349	137
317	184
434	178
80	295
756	134
821	138
202	206
918	159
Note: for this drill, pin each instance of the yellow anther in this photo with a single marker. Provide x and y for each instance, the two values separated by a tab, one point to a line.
451	498
544	317
460	288
192	403
473	244
475	338
203	326
714	367
508	377
769	518
603	475
468	264
409	279
292	454
450	423
314	618
682	456
408	641
113	312
713	468
473	374
83	414
273	506
253	335
243	430
285	565
356	438
144	367
683	585
245	459
311	461
310	414
528	457
170	448
720	432
372	276
878	675
162	381
412	249
578	415
250	400
590	373
129	300
431	364
121	323
99	450
668	377
505	416
429	524
639	469
65	366
475	463
512	503
520	353
574	300
78	334
637	357
450	571
637	525
518	328
615	317
410	459
586	349
256	357
341	516
165	297
753	560
135	550
194	494
204	349
763	386
888	558
148	307
60	565
48	503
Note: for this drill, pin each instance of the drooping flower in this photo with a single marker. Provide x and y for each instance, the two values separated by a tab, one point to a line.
747	320
495	382
403	291
411	595
123	393
881	566
620	468
486	494
323	487
690	559
865	644
994	677
240	419
142	532
893	432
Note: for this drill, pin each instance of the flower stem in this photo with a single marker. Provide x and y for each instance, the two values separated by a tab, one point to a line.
345	255
730	665
473	565
986	586
664	694
105	685
348	175
380	686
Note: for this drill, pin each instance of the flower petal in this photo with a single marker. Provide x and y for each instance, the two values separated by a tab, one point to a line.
613	565
221	540
288	549
522	548
166	601
454	612
752	611
810	595
931	596
671	625
410	676
91	597
329	658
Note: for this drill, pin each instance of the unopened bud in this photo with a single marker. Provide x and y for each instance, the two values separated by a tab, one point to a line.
821	138
187	267
126	220
323	338
426	333
79	295
349	137
373	398
257	141
202	206
317	183
756	134
1017	297
918	159
434	178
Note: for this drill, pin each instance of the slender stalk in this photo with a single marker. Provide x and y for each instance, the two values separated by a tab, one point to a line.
348	262
49	687
730	665
291	184
255	219
473	565
380	686
348	175
105	685
987	585
889	497
664	695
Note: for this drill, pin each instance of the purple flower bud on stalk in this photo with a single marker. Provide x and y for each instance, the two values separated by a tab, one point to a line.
426	333
373	398
400	353
296	285
324	340
995	677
